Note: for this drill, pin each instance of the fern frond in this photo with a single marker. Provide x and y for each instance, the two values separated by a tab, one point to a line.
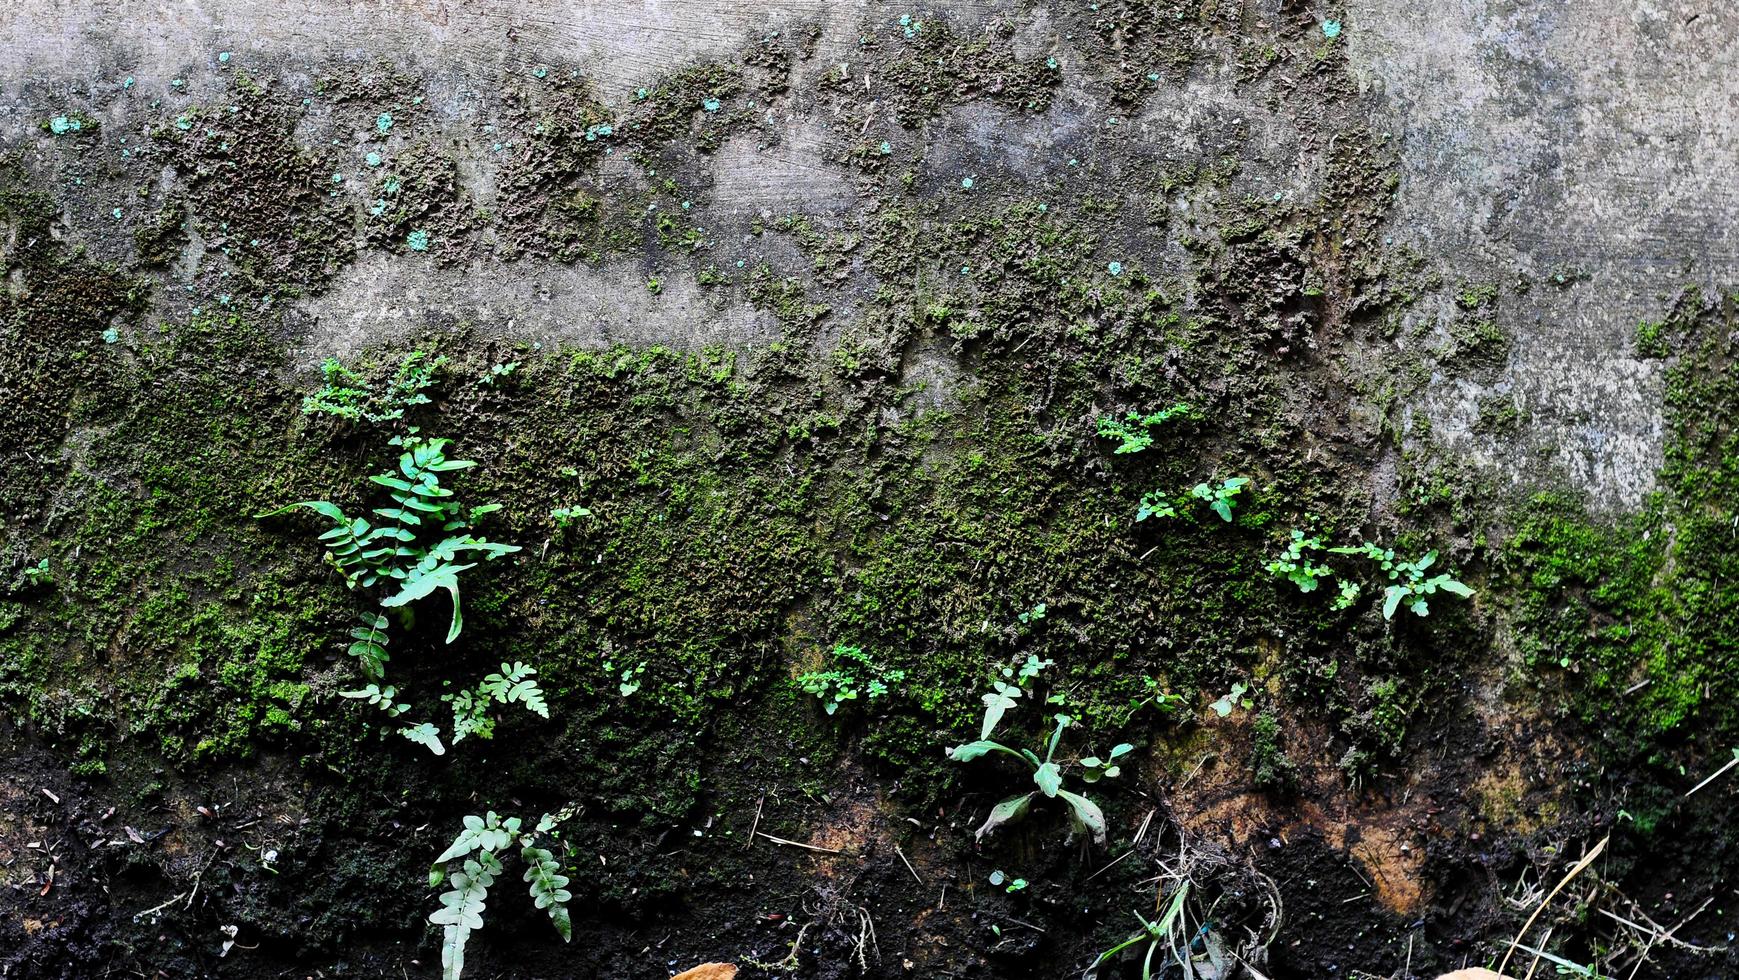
470	716
421	583
380	697
461	911
425	734
370	645
549	888
514	684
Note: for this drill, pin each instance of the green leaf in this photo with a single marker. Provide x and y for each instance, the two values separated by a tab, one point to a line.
549	888
321	507
425	734
1008	811
461	911
420	585
1049	778
995	705
1455	587
1119	750
972	750
467	841
1086	813
1392	599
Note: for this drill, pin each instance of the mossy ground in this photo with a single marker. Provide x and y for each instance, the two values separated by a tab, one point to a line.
173	677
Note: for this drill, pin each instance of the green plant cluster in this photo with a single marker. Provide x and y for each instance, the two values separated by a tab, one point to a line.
1406	581
1048	773
477	852
413	551
853	673
1134	432
349	395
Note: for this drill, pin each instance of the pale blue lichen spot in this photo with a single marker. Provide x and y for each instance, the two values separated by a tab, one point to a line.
1331	29
418	241
383	122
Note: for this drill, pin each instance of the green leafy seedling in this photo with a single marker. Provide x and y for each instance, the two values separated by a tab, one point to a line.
1048	774
854	672
1296	566
1154	504
1219	499
1164	932
1233	699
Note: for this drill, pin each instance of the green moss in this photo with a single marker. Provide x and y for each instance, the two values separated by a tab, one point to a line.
1270	767
1632	616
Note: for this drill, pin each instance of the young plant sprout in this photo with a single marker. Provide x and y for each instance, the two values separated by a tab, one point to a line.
1164	931
1047	773
1219	499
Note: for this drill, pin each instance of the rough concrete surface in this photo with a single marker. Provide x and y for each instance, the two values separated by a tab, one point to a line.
1577	143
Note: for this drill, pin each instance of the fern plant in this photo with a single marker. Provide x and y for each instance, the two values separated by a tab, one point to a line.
513	685
348	395
1134	432
417	548
477	853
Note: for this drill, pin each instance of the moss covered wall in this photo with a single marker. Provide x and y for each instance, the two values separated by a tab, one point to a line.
821	314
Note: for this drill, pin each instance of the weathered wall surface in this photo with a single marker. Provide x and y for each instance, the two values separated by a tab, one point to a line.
1579	142
1573	148
809	337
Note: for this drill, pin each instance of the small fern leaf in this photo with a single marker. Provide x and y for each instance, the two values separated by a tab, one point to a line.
549	889
461	911
465	843
514	684
530	695
321	507
425	734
